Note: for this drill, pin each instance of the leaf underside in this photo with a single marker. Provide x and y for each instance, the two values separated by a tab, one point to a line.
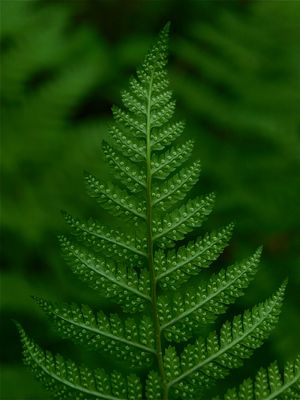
152	271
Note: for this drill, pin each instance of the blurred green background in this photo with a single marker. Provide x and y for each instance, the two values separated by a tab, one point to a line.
234	69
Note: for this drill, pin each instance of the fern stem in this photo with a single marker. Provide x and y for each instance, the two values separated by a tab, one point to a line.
153	280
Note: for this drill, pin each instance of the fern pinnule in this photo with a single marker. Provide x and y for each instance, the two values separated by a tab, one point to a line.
127	340
144	268
183	314
270	384
114	280
164	164
112	242
177	266
115	200
133	178
176	187
163	137
210	359
68	381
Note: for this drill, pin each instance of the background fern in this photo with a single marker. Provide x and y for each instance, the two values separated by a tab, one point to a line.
48	69
135	271
36	263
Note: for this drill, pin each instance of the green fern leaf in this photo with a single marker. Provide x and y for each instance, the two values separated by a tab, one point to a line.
153	386
176	267
115	200
131	147
181	221
114	243
163	137
150	274
115	281
212	358
184	313
127	172
175	188
133	103
125	340
164	164
269	384
69	381
135	125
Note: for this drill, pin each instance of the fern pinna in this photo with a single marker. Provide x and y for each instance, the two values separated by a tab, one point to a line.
153	276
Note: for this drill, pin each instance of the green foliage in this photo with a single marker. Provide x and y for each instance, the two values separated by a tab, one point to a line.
49	69
242	93
182	314
125	339
150	273
237	78
269	384
211	359
69	381
46	74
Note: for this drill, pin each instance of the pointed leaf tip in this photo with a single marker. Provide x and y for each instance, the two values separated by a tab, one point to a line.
284	284
259	251
167	26
19	327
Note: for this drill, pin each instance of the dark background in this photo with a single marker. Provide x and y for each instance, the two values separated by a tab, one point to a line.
234	69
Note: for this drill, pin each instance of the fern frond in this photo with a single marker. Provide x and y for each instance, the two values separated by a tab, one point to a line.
149	273
68	381
269	384
211	359
134	104
161	99
136	126
176	267
137	89
166	195
125	340
153	386
126	171
166	135
134	149
114	199
182	314
164	164
116	282
152	71
162	115
114	243
175	225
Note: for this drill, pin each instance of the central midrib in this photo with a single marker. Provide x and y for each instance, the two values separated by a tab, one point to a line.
153	281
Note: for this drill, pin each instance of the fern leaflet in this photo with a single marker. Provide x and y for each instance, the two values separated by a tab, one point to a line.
269	384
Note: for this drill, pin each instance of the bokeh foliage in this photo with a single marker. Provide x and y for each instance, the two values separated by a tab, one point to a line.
235	72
